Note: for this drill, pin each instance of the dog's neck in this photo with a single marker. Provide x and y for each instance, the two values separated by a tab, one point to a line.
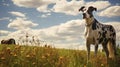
89	21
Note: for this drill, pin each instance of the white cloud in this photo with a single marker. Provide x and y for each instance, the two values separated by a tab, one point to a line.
110	12
20	23
99	4
60	6
45	15
32	3
4	32
4	18
43	8
21	32
66	7
26	3
17	14
71	7
70	32
71	27
66	32
40	5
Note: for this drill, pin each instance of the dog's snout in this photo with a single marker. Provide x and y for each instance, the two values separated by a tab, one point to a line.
84	15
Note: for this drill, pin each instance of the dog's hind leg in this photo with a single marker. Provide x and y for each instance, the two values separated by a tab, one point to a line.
106	50
114	47
111	49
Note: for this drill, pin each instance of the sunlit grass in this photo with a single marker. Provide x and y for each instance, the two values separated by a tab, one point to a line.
33	56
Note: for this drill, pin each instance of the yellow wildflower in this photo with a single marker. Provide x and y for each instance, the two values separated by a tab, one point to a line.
28	56
17	46
60	58
8	48
2	58
33	63
102	65
43	57
48	54
15	55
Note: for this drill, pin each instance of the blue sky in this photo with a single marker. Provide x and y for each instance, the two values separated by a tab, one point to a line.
55	21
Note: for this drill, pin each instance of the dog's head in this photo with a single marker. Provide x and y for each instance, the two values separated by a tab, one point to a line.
87	13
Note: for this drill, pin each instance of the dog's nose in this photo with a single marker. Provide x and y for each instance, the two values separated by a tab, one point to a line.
84	15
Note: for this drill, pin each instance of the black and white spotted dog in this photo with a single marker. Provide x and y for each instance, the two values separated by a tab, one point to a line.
98	33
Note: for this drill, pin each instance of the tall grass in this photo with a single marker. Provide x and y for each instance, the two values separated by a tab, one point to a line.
33	56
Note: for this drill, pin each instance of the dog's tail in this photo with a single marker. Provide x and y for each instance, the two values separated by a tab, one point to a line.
111	49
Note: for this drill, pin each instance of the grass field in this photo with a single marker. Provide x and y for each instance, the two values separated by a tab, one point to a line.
33	56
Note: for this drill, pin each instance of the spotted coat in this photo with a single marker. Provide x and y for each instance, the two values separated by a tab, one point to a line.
103	32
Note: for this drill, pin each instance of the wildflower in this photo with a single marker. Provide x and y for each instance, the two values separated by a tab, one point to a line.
2	58
27	56
48	54
11	53
22	51
8	48
85	66
15	55
1	53
33	63
43	57
35	49
17	47
102	65
60	58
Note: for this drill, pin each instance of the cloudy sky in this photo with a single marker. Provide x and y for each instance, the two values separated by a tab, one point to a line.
54	21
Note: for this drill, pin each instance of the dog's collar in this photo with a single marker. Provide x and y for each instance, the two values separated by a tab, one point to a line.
92	24
89	21
88	25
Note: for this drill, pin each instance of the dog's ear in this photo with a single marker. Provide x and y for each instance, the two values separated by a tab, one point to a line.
91	9
82	8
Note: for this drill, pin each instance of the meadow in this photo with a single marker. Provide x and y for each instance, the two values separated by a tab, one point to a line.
34	56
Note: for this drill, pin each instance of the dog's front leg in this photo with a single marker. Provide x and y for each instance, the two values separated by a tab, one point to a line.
86	31
88	50
96	49
96	46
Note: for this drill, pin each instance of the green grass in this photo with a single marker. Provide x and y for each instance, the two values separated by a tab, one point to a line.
33	56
